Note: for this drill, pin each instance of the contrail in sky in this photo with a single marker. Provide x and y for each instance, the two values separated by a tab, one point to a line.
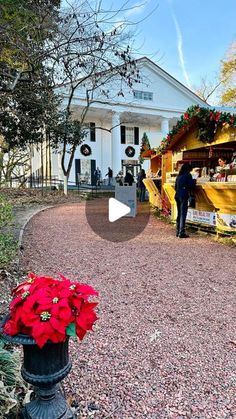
180	45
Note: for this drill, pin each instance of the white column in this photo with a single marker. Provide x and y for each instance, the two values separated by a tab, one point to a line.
98	146
115	144
165	126
101	149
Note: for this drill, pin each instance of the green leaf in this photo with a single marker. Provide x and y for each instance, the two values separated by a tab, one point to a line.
70	330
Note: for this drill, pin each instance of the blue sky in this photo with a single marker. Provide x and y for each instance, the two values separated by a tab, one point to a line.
187	38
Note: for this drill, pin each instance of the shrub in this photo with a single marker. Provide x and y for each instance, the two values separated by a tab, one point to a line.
7	241
13	390
8	247
6	214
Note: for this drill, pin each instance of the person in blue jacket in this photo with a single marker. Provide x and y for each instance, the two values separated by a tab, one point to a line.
184	186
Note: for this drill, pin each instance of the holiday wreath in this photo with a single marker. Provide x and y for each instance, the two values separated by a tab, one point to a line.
85	149
130	151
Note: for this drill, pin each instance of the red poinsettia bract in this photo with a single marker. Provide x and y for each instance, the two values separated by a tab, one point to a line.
49	309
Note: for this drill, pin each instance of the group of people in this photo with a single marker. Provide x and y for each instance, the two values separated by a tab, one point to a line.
185	185
129	179
98	176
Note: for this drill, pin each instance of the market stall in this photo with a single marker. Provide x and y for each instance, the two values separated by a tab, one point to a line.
206	139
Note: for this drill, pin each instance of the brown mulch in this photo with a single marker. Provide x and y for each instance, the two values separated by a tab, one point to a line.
29	197
164	346
25	202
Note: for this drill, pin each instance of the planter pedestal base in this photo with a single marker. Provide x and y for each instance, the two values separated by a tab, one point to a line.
49	403
43	368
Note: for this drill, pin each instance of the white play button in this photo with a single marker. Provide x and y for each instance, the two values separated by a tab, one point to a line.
117	210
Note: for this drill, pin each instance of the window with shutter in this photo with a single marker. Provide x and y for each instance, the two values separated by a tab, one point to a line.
92	131
129	135
136	135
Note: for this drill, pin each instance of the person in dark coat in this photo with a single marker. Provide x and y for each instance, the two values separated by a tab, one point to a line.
129	178
184	187
141	185
97	176
110	175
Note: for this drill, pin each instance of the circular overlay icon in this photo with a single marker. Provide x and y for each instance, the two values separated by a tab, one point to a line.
100	210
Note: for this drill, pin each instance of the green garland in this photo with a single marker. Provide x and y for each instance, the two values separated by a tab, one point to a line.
206	122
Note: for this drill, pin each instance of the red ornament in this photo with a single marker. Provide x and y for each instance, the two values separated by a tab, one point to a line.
217	116
186	116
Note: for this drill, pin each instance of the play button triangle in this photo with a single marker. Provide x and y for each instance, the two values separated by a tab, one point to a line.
117	210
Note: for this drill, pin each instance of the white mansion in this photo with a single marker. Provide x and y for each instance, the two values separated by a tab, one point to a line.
153	107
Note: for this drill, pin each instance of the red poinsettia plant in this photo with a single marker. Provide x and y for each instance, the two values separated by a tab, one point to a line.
49	309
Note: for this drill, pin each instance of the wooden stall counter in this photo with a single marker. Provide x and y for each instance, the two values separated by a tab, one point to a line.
215	206
222	195
154	193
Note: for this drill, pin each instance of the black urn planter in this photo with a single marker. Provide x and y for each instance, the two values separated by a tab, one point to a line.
44	369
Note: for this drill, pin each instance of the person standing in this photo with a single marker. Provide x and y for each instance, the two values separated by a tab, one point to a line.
110	176
129	178
120	178
184	186
97	176
220	170
142	189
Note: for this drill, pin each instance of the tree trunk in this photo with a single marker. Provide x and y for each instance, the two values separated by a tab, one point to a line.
65	185
66	171
42	169
50	161
1	165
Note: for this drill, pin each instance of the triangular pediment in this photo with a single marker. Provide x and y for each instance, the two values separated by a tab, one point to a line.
167	91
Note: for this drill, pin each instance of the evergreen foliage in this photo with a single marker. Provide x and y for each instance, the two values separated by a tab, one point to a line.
145	145
205	120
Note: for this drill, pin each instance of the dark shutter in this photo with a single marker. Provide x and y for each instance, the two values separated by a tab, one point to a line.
92	131
93	168
122	134
136	135
77	170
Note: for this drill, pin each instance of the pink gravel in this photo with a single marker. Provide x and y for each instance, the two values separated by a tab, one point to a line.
165	343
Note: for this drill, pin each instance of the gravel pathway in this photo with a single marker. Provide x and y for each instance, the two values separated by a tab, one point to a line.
165	343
